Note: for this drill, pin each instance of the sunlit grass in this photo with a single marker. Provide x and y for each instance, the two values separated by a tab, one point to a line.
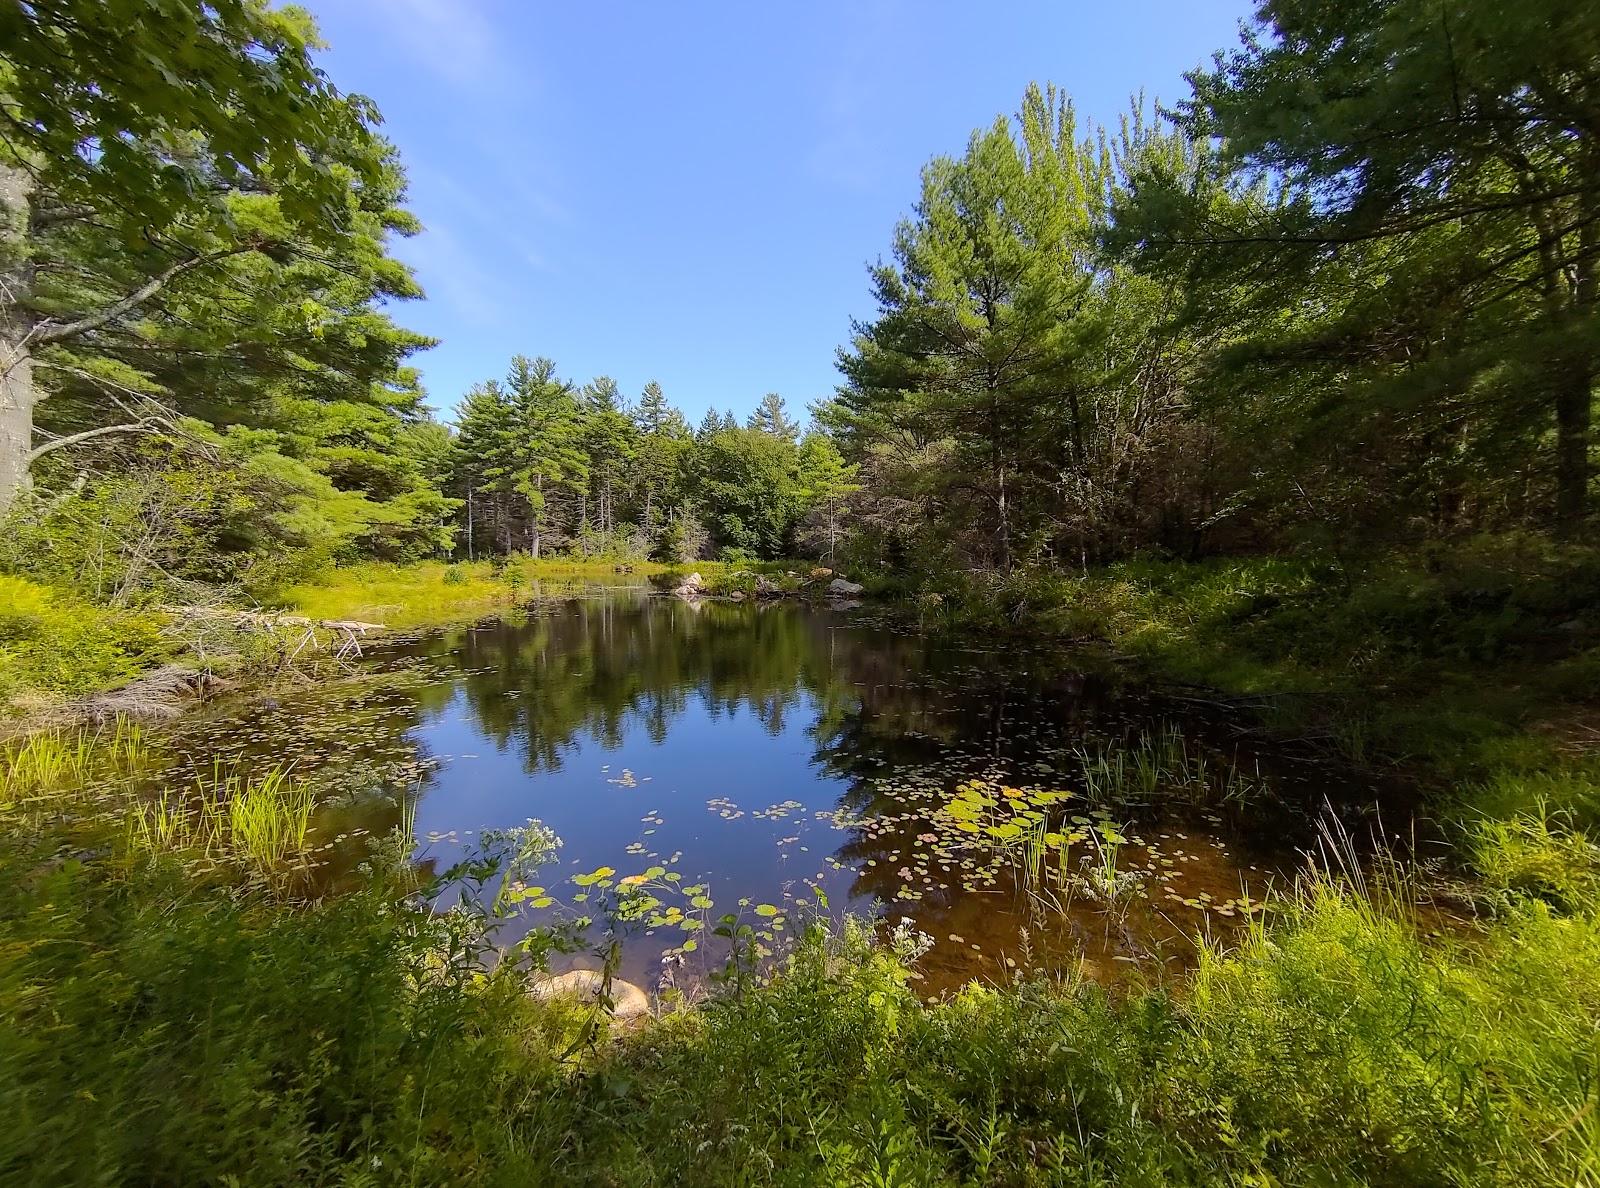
262	823
436	592
62	760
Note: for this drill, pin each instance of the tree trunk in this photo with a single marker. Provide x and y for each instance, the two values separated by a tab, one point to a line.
17	393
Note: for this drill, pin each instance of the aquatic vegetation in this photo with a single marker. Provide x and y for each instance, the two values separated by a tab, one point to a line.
61	760
1164	763
1334	1044
262	823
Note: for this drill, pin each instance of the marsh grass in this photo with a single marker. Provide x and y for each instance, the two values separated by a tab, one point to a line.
158	1027
62	760
260	823
436	592
1443	657
1165	764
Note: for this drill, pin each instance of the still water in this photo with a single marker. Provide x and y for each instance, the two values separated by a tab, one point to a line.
1027	810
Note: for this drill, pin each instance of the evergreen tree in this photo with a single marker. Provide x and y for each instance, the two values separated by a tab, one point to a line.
771	418
662	442
201	157
609	439
823	481
656	415
548	457
986	323
1419	237
709	424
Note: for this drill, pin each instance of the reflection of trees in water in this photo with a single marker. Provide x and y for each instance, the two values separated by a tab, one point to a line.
604	667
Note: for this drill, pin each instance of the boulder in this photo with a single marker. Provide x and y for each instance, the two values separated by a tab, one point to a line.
839	588
629	1002
693	586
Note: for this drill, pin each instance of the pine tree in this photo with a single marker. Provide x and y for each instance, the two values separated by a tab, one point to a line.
663	438
984	319
656	415
771	418
824	481
548	457
609	440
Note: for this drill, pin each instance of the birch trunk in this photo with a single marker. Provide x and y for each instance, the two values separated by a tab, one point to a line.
17	392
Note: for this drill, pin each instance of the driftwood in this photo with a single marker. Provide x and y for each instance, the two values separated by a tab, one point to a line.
296	631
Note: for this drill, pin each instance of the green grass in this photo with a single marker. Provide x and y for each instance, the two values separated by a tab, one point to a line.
261	824
168	1018
54	761
156	1029
434	592
55	645
169	1015
1475	665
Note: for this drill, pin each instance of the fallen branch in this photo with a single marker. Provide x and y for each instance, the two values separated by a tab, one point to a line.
302	631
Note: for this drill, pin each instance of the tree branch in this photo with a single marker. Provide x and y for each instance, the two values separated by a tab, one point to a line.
48	332
149	425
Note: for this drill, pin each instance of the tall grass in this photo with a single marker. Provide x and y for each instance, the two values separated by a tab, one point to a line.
1164	762
50	761
262	823
157	1028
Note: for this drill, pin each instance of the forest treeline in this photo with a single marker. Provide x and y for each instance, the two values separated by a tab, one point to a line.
1345	292
539	463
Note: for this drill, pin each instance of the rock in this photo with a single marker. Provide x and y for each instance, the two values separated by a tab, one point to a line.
736	596
839	588
693	586
629	1001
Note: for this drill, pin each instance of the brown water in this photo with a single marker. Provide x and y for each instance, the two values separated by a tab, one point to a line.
779	761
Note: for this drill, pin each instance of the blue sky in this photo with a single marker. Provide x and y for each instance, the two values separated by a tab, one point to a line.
692	192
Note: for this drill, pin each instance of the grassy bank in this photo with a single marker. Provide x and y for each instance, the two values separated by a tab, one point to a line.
56	646
434	592
172	1012
1478	665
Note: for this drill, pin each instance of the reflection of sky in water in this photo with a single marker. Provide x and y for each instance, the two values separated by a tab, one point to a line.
723	754
642	730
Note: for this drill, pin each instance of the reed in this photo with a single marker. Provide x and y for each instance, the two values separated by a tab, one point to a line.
55	761
261	823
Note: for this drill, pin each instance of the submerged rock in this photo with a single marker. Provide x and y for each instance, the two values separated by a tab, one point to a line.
630	1002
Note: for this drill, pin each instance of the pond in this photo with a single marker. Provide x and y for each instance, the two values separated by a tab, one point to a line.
1023	809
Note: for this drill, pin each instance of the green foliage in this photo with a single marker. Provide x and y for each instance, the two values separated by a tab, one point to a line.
54	643
107	94
743	484
160	1026
1407	260
196	255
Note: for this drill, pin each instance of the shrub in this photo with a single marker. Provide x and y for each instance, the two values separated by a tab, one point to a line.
54	643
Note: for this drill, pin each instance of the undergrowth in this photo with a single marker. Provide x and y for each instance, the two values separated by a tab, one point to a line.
1475	663
161	1024
434	592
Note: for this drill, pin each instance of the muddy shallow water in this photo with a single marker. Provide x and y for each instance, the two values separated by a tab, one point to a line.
1024	809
